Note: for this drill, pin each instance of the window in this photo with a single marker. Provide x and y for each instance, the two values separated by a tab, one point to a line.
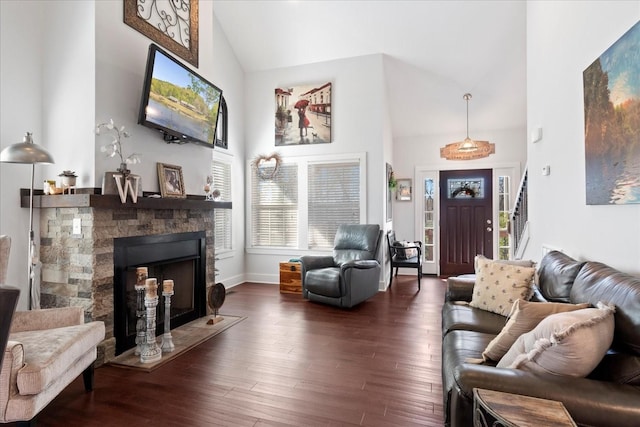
334	199
222	131
504	201
429	223
274	207
302	205
221	172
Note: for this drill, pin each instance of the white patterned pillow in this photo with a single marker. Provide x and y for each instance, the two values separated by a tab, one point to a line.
499	285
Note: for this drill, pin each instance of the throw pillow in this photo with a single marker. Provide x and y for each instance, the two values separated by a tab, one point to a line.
571	343
519	262
410	252
499	285
524	316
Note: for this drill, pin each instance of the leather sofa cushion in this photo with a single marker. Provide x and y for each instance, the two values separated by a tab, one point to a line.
599	282
617	367
556	275
458	315
457	348
325	282
355	242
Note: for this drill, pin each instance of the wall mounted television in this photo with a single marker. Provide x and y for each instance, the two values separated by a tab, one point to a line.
178	102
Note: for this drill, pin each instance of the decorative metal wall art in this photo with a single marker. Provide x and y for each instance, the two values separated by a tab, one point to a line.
172	24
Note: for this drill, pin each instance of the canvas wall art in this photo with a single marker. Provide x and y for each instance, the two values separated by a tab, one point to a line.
303	114
612	123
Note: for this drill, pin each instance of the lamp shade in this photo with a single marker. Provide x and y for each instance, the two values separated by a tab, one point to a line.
25	152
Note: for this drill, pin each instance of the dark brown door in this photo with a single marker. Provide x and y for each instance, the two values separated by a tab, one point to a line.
466	219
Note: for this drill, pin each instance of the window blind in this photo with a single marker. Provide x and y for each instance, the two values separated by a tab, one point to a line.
274	207
221	172
334	199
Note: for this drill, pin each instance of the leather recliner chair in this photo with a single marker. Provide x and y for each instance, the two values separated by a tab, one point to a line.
349	276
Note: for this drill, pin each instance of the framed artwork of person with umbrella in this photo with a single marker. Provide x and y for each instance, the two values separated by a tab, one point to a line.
303	114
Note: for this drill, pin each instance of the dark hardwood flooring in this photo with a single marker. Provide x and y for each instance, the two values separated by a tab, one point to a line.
290	363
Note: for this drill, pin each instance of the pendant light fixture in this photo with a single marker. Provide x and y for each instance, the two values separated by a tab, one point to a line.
469	148
468	145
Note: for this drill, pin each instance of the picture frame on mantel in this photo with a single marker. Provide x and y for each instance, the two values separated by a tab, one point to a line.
171	181
173	24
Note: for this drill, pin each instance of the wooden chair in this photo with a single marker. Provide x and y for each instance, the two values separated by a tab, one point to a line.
405	255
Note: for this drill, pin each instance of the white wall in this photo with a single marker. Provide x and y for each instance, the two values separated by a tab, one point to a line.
47	85
357	126
564	38
76	64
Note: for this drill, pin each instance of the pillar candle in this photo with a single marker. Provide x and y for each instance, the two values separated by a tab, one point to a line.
152	288
167	286
142	273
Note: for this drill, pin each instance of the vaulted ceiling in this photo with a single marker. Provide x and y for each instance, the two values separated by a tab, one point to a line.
435	51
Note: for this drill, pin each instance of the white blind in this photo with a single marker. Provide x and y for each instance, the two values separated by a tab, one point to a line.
221	172
334	199
274	207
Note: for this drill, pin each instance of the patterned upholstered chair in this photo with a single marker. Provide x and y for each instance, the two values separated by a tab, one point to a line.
45	351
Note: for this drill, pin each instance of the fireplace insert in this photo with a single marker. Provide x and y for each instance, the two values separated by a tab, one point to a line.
180	257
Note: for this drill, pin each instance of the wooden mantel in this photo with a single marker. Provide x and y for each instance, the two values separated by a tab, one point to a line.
91	198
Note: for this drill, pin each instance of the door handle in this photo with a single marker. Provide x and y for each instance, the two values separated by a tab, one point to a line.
489	229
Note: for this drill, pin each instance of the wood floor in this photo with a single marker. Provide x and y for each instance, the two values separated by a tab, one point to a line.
290	363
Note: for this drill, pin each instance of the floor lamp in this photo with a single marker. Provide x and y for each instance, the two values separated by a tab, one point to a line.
27	152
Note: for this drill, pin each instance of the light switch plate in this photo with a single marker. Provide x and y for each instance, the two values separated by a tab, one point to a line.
77	226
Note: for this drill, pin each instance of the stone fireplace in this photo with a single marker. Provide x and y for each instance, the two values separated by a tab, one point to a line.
79	270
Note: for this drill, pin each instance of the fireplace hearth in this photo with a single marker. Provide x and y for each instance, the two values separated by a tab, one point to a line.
177	256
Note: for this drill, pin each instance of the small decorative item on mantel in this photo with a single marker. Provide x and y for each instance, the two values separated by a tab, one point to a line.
68	181
121	182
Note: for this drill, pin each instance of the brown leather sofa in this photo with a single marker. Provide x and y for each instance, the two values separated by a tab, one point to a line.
609	396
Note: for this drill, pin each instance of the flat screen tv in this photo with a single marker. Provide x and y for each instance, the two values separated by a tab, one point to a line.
178	102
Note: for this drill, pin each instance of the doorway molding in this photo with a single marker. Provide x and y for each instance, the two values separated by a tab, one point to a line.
422	172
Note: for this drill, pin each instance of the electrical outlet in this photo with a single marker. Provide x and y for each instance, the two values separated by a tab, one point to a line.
77	226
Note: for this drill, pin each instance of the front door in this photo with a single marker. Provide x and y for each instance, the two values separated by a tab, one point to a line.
466	224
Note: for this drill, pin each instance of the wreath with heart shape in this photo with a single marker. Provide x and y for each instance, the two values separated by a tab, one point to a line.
267	165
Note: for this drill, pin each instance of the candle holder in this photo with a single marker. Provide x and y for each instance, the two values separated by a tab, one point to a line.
150	351
167	345
141	327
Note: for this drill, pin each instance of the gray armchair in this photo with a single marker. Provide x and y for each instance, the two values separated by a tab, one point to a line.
351	275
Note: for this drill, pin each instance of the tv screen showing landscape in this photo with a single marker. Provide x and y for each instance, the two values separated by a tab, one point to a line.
178	102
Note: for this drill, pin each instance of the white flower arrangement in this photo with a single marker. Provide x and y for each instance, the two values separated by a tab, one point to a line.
115	147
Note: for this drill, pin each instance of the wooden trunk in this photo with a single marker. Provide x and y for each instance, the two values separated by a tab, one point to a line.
290	278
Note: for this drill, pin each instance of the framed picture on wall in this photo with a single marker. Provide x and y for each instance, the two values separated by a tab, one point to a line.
303	114
403	190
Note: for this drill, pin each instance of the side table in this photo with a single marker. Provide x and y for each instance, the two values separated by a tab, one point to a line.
495	408
290	278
